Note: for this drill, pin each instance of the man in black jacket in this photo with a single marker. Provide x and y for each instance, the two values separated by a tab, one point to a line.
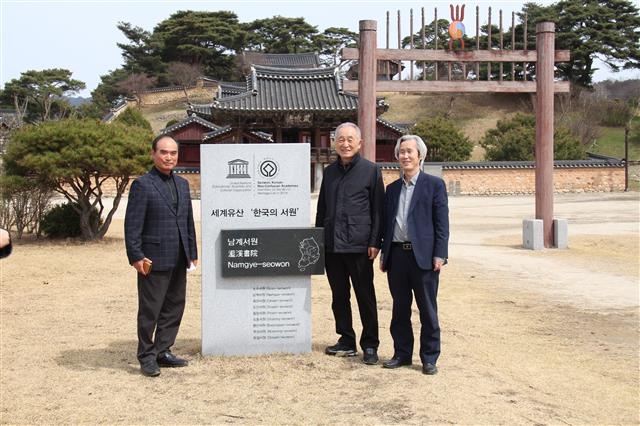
350	208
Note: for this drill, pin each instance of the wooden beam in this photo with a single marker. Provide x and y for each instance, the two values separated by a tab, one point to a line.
456	86
431	55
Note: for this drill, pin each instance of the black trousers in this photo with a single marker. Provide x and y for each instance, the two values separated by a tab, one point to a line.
344	269
405	280
161	300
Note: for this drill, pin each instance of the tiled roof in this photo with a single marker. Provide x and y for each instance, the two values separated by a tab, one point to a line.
231	88
187	121
228	129
483	165
264	135
282	60
557	164
220	131
285	90
394	126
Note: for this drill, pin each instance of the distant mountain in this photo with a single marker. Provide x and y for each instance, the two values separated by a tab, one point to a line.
619	89
78	100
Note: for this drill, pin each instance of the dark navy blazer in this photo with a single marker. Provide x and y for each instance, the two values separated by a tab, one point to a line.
153	228
428	220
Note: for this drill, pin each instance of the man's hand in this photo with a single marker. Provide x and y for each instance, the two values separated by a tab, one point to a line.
372	252
139	265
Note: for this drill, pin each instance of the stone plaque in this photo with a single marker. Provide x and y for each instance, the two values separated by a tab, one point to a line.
281	251
246	187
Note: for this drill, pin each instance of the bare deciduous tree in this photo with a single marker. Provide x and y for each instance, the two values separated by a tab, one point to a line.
136	84
184	75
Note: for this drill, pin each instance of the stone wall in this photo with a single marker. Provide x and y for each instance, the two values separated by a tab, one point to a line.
167	96
522	181
203	91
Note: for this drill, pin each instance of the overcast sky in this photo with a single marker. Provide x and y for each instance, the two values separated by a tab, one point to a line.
81	35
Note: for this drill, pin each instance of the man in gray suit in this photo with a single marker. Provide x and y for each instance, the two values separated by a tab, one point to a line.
160	239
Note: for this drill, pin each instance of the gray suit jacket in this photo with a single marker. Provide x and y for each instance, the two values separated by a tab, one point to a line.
153	228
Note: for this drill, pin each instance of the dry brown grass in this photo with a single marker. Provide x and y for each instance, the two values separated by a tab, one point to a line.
159	115
474	113
513	353
413	107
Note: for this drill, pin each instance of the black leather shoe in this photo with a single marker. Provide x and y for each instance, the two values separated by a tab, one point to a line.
150	368
429	369
340	350
396	362
167	359
370	356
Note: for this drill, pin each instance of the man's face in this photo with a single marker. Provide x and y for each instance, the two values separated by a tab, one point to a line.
409	157
348	143
165	157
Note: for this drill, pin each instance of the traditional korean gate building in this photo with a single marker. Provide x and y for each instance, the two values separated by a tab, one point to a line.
279	105
293	105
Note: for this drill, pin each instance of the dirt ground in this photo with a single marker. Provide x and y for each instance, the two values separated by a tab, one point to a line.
529	337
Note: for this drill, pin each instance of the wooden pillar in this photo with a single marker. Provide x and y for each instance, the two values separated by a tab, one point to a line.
367	88
545	40
315	137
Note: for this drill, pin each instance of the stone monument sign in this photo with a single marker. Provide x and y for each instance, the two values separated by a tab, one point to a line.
258	249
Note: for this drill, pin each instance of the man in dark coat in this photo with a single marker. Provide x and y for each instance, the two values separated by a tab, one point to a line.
160	239
350	210
415	248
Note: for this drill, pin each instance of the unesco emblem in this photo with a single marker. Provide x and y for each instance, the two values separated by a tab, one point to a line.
268	168
238	168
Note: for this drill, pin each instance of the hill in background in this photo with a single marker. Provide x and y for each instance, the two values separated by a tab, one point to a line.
159	115
473	112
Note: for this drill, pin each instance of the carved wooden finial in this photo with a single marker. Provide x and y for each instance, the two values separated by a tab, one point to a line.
456	27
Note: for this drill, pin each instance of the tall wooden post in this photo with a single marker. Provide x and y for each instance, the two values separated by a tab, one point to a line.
367	88
545	38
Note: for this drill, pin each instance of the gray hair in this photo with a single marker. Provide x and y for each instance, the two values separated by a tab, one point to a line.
422	147
348	124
